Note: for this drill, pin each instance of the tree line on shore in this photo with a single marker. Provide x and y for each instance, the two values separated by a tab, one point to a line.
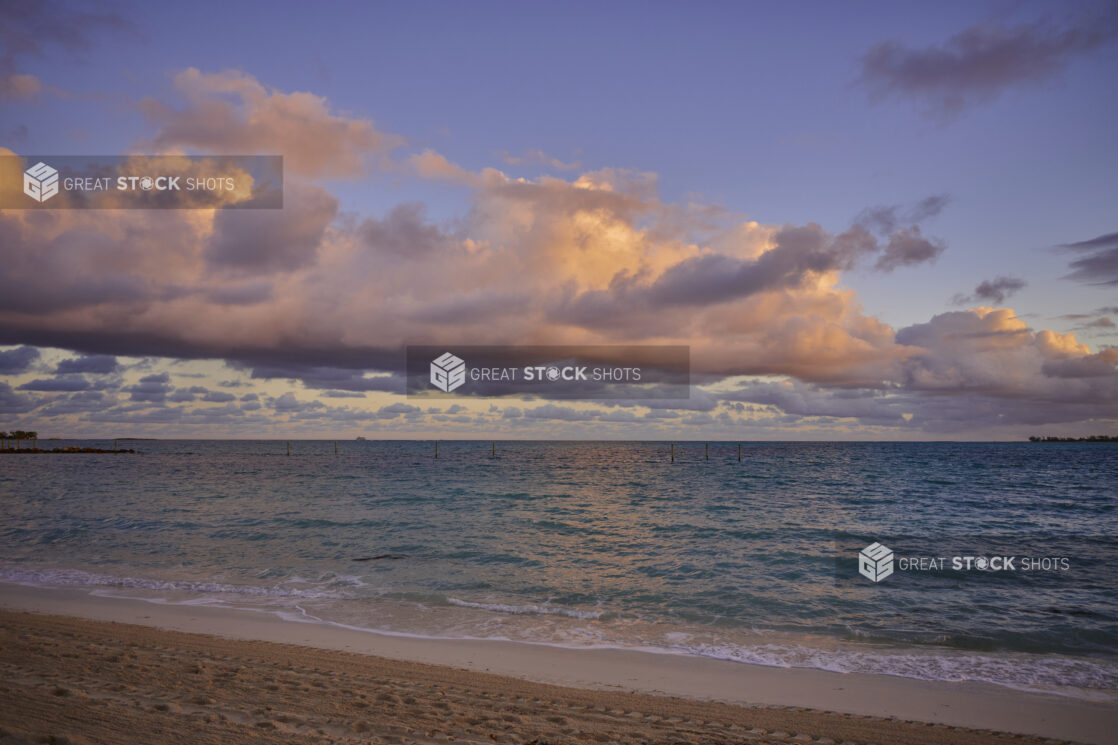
19	434
1092	438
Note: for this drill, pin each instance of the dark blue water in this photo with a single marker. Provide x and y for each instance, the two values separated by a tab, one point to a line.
612	544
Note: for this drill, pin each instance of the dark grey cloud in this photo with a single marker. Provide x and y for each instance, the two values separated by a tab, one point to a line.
151	388
978	63
137	415
289	403
800	251
96	364
1100	265
81	402
884	219
210	414
16	361
908	247
404	232
67	383
805	400
265	241
560	413
15	403
391	411
994	290
333	378
42	276
184	395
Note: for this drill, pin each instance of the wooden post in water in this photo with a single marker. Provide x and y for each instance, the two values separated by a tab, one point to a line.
673	452
436	448
493	449
739	452
335	447
289	447
708	451
115	448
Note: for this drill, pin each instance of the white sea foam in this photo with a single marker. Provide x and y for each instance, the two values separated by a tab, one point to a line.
536	610
79	578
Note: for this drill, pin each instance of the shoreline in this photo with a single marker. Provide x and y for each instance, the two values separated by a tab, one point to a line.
973	705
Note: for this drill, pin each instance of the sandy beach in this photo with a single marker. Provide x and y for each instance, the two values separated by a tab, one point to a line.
133	671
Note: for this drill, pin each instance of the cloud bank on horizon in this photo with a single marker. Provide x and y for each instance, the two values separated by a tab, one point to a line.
223	323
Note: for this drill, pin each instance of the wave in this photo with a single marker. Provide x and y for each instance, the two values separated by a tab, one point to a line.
535	610
1020	671
77	578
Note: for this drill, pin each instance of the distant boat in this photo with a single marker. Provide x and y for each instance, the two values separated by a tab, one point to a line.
360	438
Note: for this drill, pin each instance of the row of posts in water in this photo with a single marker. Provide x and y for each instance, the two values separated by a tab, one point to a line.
493	449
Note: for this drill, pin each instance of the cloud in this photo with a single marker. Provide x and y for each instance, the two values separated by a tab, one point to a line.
330	299
885	219
1100	265
992	352
81	402
560	413
908	247
98	364
60	383
151	388
351	379
904	245
231	112
977	64
32	27
538	158
324	297
800	399
20	86
992	291
20	359
255	242
434	166
15	403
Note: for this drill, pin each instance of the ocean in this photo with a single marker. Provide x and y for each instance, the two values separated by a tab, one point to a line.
605	544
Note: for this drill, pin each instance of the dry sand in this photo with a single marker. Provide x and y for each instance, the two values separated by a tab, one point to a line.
84	681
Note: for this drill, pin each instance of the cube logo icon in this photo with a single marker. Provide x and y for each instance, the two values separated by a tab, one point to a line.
875	562
40	182
448	372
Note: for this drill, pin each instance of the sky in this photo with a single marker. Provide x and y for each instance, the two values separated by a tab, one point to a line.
867	220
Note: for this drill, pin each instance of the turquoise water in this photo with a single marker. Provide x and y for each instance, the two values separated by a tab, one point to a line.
600	544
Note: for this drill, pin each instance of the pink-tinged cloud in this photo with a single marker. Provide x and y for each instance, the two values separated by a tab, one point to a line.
233	113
